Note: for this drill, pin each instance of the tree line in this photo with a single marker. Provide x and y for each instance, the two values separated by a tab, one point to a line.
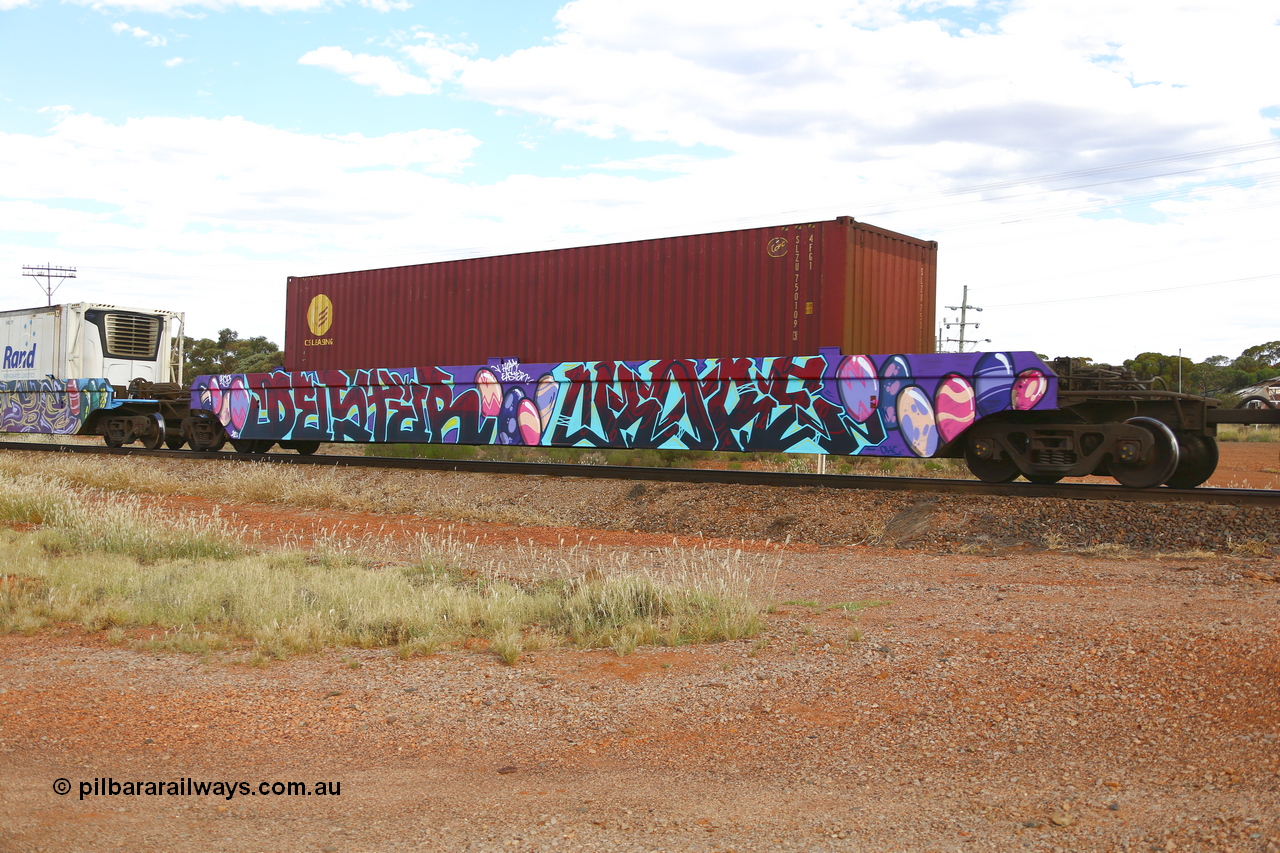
229	353
1216	376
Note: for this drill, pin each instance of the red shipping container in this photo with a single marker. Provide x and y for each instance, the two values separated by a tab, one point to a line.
779	291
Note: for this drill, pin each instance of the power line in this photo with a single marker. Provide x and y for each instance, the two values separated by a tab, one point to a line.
1234	247
1119	167
874	208
49	274
1260	182
1231	182
1135	292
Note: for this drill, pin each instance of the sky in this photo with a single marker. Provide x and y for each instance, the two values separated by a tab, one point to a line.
1101	176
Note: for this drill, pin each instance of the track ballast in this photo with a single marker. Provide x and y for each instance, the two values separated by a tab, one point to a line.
1070	491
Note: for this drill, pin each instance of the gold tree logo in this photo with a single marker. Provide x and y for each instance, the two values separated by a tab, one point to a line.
320	314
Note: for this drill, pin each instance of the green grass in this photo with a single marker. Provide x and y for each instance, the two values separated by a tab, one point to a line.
1246	432
189	584
649	458
267	483
670	458
113	526
287	603
850	607
422	451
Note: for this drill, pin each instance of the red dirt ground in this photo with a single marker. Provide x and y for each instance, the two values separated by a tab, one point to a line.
1037	701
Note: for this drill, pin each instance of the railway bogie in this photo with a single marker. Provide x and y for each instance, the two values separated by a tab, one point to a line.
1108	423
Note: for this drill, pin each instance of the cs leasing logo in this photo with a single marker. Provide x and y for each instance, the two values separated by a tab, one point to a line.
319	319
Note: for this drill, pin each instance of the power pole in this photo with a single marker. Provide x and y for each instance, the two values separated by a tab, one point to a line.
49	274
964	307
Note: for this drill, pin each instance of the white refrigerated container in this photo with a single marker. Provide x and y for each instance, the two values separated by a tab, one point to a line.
87	340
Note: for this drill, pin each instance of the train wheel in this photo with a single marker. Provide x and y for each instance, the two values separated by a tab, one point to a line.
251	445
1197	460
153	441
117	432
1044	479
987	469
175	442
306	448
206	436
1157	466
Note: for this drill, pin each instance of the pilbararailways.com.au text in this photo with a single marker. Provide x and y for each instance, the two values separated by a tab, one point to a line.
188	787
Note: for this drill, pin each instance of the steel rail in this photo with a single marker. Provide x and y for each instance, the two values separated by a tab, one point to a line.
1071	491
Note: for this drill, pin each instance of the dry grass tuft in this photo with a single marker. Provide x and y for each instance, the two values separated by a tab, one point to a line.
1249	432
120	566
1249	548
264	482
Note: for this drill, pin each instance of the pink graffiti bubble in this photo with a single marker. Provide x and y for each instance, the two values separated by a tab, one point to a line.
238	405
859	387
490	393
529	421
916	421
954	404
1029	388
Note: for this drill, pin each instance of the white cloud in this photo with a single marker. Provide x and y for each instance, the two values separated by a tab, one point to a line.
824	107
387	5
152	40
381	72
439	57
183	8
174	62
657	163
857	82
158	198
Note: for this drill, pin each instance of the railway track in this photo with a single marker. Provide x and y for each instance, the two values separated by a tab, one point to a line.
1071	491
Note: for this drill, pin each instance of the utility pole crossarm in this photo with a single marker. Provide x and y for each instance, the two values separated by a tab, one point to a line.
49	274
964	307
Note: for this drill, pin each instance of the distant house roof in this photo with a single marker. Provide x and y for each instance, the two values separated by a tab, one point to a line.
1269	388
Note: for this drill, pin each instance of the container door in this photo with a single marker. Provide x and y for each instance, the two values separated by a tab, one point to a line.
798	248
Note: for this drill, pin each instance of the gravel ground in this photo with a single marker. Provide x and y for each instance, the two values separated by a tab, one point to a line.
995	696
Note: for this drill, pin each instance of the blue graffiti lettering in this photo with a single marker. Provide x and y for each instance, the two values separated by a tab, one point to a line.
16	359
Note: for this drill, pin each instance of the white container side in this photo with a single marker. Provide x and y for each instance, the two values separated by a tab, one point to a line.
89	340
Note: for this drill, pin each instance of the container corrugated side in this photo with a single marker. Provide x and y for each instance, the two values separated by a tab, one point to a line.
893	292
776	291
